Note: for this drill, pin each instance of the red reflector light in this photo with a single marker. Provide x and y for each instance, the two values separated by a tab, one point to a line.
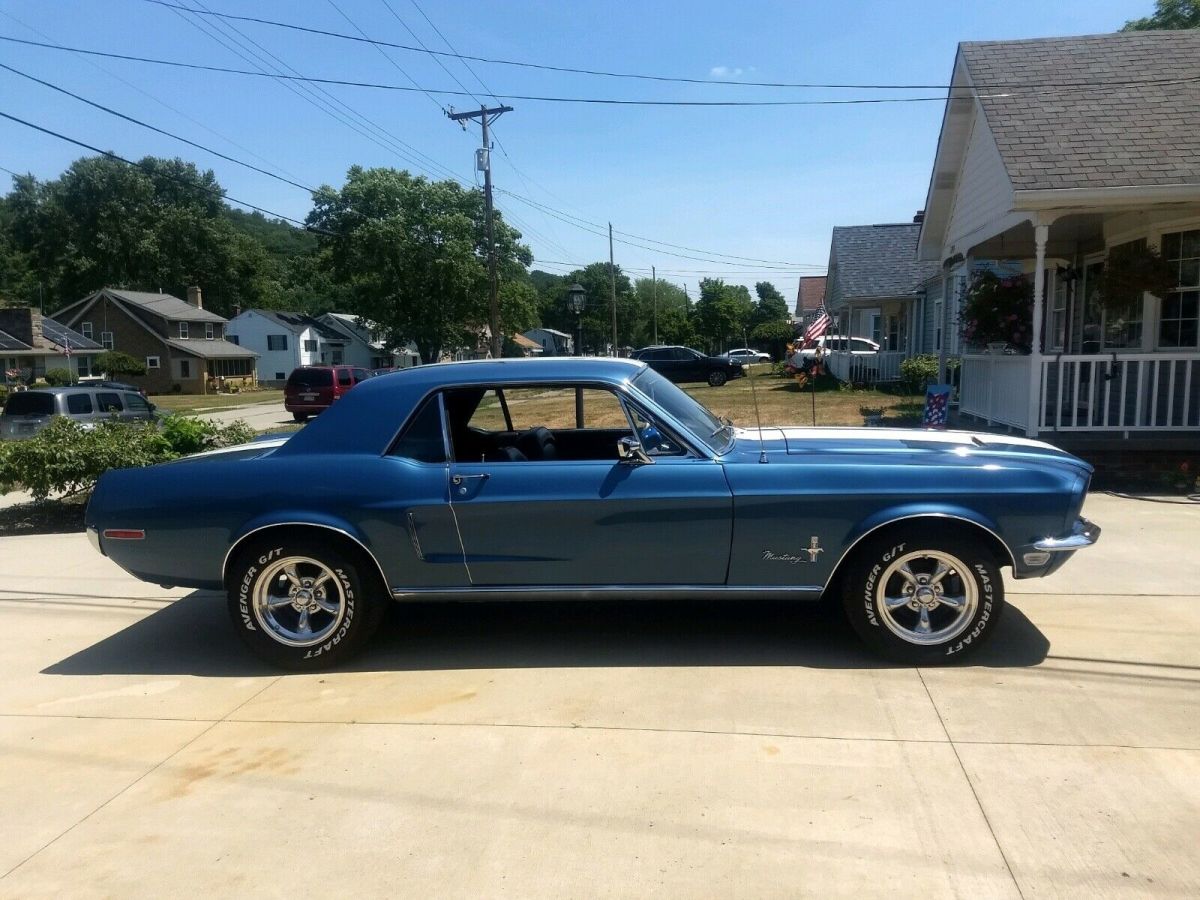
124	534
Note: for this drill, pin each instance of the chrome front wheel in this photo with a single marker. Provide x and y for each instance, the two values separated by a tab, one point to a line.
927	597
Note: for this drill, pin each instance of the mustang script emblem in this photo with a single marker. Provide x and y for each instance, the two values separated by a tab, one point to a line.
813	550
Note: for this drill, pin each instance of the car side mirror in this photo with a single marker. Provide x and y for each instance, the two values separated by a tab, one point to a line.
631	452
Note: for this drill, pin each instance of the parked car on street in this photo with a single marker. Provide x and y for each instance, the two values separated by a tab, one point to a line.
591	478
745	356
313	389
28	412
835	343
683	364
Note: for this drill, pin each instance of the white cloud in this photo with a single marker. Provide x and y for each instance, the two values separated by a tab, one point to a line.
725	71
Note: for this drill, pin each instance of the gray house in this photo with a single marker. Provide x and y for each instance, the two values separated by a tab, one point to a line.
876	289
1046	181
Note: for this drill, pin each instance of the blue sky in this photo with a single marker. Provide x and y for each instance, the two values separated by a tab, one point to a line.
767	183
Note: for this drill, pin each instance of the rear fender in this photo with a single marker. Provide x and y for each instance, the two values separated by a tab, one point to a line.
299	519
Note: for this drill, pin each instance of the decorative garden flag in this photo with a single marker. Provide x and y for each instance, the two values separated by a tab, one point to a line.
937	405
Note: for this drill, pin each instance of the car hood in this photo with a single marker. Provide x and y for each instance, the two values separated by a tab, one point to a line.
788	443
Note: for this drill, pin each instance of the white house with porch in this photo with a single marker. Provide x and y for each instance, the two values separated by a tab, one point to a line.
1102	149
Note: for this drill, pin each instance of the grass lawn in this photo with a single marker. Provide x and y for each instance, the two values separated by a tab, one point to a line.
782	402
196	402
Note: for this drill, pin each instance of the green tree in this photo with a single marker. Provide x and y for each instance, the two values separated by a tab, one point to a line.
722	313
771	305
116	363
160	225
597	314
673	324
412	254
1168	14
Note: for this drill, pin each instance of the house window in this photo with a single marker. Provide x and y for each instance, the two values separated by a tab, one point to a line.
233	339
185	368
208	331
1178	325
83	366
279	376
183	330
337	357
106	340
937	325
276	341
1056	327
153	362
310	346
86	329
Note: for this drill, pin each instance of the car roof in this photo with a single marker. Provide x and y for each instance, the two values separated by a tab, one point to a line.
77	388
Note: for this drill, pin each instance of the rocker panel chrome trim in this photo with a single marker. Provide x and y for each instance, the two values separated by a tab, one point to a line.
608	591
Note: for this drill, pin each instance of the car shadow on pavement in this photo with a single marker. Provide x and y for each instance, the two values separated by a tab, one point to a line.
193	636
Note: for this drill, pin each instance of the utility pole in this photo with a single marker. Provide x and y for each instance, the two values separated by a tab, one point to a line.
483	161
654	282
612	277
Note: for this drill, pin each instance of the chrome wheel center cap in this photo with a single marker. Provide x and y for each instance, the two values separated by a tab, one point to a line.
926	596
303	599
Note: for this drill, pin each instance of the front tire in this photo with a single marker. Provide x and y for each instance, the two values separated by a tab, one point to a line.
923	597
716	378
302	604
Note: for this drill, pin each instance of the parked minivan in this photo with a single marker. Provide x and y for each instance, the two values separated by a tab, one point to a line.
28	412
311	389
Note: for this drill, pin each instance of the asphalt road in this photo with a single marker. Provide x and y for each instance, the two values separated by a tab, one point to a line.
261	416
614	750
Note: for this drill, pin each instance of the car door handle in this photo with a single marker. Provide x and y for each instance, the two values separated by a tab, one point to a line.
460	482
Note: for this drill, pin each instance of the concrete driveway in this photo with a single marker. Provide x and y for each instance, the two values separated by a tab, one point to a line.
685	750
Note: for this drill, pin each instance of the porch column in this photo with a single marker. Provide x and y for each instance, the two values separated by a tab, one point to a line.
944	325
1040	234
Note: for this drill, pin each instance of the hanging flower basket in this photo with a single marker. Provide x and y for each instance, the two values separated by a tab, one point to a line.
998	311
1131	269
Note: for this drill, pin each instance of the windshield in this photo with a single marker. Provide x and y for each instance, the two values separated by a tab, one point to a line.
702	424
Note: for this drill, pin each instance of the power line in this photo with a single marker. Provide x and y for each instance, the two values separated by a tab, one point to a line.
382	86
158	100
154	128
199	187
450	47
643	76
435	57
320	98
385	55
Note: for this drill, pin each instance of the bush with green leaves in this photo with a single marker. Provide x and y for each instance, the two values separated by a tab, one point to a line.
67	458
114	364
187	434
58	377
919	371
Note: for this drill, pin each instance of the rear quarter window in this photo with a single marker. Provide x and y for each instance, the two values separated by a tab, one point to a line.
109	402
422	438
28	403
79	404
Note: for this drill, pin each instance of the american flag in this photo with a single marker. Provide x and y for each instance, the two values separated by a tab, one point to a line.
937	403
67	348
818	327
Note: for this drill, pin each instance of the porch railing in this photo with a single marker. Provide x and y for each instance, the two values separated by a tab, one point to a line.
865	368
1112	392
995	387
1121	392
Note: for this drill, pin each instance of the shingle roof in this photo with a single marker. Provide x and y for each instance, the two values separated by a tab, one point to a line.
297	322
876	261
1105	136
169	307
219	349
811	293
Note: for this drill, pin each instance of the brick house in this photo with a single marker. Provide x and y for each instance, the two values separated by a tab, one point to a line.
182	344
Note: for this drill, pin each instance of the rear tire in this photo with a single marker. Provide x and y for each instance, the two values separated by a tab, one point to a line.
923	596
300	417
301	603
716	378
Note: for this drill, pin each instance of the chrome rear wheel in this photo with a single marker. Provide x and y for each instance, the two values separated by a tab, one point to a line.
299	601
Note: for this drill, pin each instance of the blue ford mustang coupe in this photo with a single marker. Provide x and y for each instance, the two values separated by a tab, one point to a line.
591	478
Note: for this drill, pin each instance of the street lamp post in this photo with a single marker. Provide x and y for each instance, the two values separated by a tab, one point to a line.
577	297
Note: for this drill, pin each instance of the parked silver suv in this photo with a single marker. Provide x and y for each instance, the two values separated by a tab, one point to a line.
28	412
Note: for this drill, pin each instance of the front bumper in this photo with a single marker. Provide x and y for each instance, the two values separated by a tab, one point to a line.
1083	534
